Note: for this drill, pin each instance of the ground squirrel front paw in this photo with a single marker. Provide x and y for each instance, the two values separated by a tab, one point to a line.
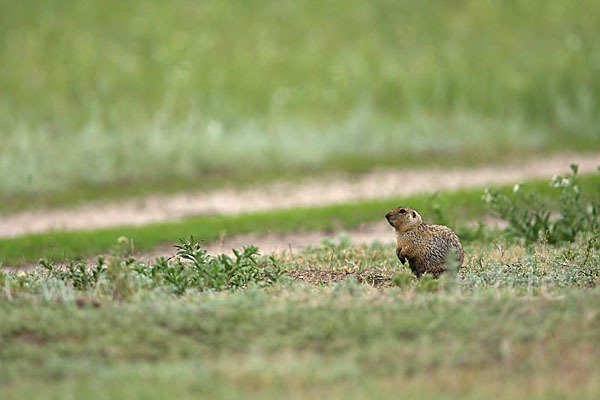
400	256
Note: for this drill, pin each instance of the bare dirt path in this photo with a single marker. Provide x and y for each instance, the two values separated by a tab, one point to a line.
313	192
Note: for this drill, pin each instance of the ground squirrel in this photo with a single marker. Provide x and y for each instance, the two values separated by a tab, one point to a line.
426	247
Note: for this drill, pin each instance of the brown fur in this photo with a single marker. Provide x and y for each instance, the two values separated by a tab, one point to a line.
426	247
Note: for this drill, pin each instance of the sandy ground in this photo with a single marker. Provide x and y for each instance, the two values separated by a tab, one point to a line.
312	192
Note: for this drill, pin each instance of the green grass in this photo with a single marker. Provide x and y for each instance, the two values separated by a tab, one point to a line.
522	323
519	319
102	91
304	344
442	208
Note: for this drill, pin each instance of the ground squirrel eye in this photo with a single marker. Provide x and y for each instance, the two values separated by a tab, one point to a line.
402	211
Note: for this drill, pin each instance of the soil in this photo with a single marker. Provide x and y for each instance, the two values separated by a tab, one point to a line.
373	277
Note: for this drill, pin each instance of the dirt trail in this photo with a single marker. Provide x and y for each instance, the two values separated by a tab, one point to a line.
326	190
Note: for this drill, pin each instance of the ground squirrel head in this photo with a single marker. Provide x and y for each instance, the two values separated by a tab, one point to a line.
403	218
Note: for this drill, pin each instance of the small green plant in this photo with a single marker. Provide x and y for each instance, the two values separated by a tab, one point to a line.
427	283
402	280
220	272
531	219
449	279
123	247
79	274
438	211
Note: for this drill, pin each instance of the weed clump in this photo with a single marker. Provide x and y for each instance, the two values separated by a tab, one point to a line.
529	218
402	279
190	268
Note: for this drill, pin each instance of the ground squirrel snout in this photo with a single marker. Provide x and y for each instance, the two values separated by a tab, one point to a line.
426	247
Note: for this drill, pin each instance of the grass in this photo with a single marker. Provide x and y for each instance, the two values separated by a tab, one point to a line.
301	343
66	246
97	95
100	92
522	322
520	319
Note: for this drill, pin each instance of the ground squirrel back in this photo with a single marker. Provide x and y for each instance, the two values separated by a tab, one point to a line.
426	247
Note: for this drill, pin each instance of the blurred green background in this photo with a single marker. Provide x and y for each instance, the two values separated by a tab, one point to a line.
97	92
